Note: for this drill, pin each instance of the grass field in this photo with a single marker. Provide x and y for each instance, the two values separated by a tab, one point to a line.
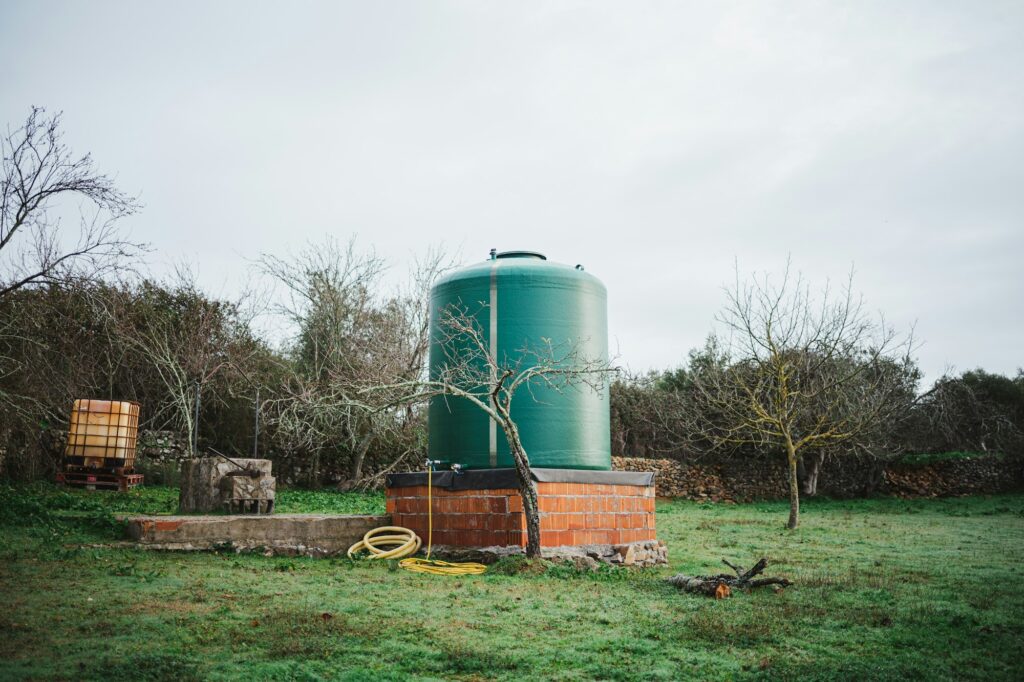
886	589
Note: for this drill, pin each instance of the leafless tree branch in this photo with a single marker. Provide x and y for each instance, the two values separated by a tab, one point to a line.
39	170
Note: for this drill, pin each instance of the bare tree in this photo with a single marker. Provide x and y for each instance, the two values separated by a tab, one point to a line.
892	384
186	340
330	296
974	411
351	334
648	417
798	374
471	372
38	170
145	341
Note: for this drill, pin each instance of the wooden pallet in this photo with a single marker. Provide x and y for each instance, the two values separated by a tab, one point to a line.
99	480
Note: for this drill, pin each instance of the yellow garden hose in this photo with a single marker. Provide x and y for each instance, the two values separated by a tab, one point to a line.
403	543
396	542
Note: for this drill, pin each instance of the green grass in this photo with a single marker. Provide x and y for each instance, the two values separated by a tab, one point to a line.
329	502
164	500
886	589
926	458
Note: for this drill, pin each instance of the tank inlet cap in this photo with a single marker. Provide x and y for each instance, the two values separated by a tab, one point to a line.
522	254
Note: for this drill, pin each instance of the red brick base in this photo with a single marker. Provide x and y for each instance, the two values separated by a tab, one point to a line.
570	514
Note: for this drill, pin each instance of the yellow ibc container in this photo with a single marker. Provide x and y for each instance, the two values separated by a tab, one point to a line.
104	433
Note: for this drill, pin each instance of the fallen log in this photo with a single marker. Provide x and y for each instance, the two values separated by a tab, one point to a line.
721	585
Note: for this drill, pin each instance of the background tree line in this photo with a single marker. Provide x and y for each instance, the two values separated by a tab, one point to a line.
162	342
798	376
174	349
971	411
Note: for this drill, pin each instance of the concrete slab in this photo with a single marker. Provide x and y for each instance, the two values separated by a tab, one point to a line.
288	534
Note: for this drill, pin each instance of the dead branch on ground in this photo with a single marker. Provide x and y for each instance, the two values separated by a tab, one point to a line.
721	585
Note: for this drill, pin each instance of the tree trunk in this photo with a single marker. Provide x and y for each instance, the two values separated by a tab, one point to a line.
527	489
313	475
360	456
794	488
809	469
875	477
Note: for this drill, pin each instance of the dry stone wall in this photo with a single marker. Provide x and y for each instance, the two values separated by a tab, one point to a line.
161	453
984	475
756	479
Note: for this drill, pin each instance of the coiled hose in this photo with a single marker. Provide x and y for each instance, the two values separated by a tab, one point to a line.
396	542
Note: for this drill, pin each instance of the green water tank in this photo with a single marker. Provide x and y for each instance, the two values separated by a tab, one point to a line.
519	300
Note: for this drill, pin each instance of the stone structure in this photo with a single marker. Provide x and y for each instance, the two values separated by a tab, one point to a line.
242	492
215	484
982	475
286	534
743	480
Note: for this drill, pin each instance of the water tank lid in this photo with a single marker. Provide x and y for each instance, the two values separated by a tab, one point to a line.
522	254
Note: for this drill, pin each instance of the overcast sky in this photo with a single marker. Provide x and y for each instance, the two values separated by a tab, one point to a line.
655	143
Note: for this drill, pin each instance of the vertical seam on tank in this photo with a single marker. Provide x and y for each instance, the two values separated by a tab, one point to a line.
493	425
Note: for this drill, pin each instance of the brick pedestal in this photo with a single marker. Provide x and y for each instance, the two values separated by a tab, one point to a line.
608	509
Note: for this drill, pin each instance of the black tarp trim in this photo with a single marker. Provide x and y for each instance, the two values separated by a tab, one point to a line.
491	479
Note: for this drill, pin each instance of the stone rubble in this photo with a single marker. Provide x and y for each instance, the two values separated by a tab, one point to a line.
644	554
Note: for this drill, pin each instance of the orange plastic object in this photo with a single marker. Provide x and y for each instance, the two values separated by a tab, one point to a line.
104	432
